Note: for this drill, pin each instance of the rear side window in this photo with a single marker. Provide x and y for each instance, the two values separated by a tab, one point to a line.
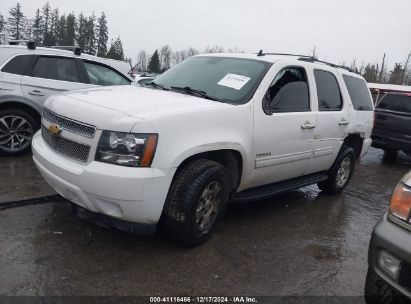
328	91
288	92
397	103
57	68
17	65
104	76
359	93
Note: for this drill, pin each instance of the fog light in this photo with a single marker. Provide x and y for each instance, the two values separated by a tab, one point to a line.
389	264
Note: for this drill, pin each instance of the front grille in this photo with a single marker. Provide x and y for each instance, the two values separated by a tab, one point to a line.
69	124
65	146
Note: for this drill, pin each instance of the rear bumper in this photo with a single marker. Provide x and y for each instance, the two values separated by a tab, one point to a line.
395	240
135	195
365	146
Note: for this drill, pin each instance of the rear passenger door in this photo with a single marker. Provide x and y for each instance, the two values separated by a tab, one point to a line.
50	75
332	119
12	73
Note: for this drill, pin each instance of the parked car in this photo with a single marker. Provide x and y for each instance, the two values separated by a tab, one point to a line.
389	257
378	90
213	128
392	128
28	75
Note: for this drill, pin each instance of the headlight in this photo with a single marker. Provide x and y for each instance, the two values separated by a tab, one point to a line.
126	149
400	204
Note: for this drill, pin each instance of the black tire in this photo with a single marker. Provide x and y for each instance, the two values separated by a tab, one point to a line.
332	185
390	156
184	200
31	125
377	291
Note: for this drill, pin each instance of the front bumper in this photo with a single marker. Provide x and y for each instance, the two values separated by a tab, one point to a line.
135	195
395	240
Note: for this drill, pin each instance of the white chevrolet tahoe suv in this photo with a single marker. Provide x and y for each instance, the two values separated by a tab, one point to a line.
212	129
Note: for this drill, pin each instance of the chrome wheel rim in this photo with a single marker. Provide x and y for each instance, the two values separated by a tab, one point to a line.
15	133
208	206
344	171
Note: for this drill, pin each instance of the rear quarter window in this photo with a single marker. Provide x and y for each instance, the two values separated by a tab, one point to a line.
359	93
17	65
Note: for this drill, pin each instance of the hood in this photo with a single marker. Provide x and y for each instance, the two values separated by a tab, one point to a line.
120	107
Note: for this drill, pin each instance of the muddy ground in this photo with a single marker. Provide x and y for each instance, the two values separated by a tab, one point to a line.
298	243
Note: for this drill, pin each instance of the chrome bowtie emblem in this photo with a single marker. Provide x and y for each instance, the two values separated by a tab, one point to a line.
54	130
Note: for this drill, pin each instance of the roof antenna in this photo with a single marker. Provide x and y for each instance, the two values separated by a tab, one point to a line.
260	53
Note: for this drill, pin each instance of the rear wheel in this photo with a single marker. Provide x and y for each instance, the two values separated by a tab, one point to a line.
340	173
17	128
196	201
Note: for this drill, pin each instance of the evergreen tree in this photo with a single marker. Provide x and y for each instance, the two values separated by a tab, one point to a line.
61	30
2	28
154	64
48	38
38	28
371	73
81	31
102	35
90	40
54	25
116	50
16	22
396	74
71	27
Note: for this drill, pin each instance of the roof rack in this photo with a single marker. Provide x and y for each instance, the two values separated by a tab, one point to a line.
308	58
30	44
75	48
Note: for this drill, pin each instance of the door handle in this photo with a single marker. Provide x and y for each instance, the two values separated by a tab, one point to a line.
307	125
37	93
343	123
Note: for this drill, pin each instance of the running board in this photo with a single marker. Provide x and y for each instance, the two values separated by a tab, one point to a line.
280	187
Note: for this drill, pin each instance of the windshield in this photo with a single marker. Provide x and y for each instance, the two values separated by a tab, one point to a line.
230	80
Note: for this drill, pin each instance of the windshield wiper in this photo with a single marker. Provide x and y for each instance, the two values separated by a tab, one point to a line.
191	91
157	85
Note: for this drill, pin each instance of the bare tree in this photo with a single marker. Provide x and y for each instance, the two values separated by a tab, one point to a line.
381	75
165	57
405	68
214	49
313	52
142	60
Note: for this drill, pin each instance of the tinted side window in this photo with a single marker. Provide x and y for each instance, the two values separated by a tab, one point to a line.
57	68
359	93
17	65
288	92
393	102
104	76
328	91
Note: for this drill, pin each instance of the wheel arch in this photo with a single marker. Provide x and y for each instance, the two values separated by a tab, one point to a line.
232	159
354	141
22	105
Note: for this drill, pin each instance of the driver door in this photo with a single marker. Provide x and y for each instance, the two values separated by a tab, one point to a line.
284	126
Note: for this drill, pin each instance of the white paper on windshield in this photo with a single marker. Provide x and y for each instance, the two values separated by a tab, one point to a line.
234	81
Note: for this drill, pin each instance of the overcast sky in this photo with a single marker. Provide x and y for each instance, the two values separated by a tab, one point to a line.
341	30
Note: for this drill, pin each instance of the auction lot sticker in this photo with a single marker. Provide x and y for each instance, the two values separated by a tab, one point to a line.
234	81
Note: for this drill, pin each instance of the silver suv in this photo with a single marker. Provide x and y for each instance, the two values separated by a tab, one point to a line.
28	75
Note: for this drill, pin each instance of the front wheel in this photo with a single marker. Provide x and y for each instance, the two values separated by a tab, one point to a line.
196	201
340	173
17	128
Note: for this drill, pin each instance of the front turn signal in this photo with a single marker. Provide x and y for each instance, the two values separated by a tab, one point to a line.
400	204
